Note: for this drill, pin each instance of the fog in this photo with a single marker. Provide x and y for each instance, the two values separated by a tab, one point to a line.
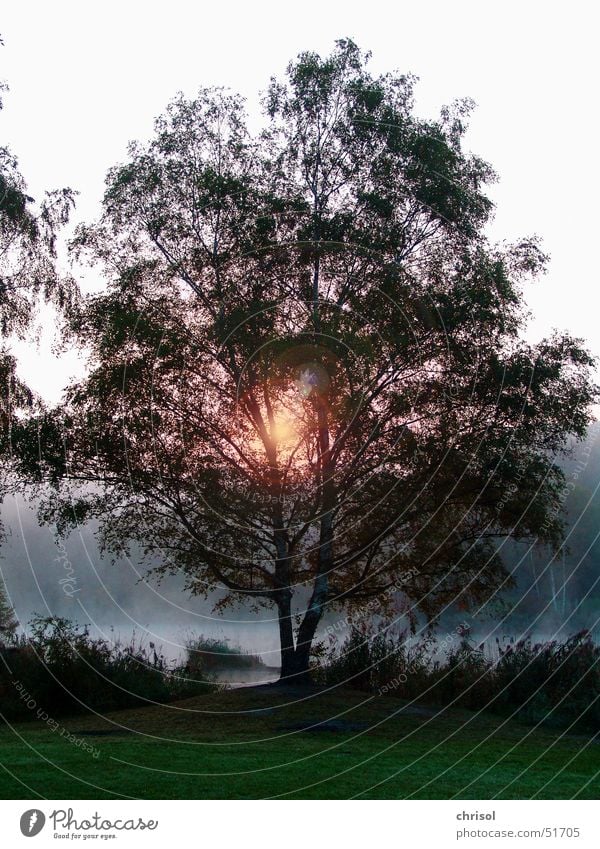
73	580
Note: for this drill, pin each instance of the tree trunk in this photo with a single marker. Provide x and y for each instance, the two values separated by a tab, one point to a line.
295	663
286	635
295	657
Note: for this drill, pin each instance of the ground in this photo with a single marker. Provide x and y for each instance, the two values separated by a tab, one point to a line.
266	742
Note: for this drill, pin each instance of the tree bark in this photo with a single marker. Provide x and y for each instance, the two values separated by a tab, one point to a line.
286	635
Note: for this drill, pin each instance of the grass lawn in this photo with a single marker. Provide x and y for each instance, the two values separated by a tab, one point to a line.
256	743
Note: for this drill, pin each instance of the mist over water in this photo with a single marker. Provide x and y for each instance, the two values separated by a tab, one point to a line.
74	581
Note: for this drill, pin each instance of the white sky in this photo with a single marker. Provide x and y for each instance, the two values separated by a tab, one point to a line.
87	77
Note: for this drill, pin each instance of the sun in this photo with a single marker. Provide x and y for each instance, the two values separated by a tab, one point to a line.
284	429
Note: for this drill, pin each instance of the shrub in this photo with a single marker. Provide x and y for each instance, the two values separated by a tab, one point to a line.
214	655
377	661
463	678
557	683
65	670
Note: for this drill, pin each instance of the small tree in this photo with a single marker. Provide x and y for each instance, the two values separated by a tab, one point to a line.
28	277
309	387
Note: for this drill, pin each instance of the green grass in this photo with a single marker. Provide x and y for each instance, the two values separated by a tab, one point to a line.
245	744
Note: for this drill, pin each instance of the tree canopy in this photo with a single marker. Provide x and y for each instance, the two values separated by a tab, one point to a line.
309	386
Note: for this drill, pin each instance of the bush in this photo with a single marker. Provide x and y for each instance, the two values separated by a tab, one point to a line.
377	661
557	683
64	670
463	678
214	655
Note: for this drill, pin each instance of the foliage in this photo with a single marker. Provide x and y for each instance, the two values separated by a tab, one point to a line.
377	660
28	234
8	621
211	654
553	683
66	670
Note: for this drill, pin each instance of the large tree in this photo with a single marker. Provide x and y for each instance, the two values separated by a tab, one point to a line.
308	381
